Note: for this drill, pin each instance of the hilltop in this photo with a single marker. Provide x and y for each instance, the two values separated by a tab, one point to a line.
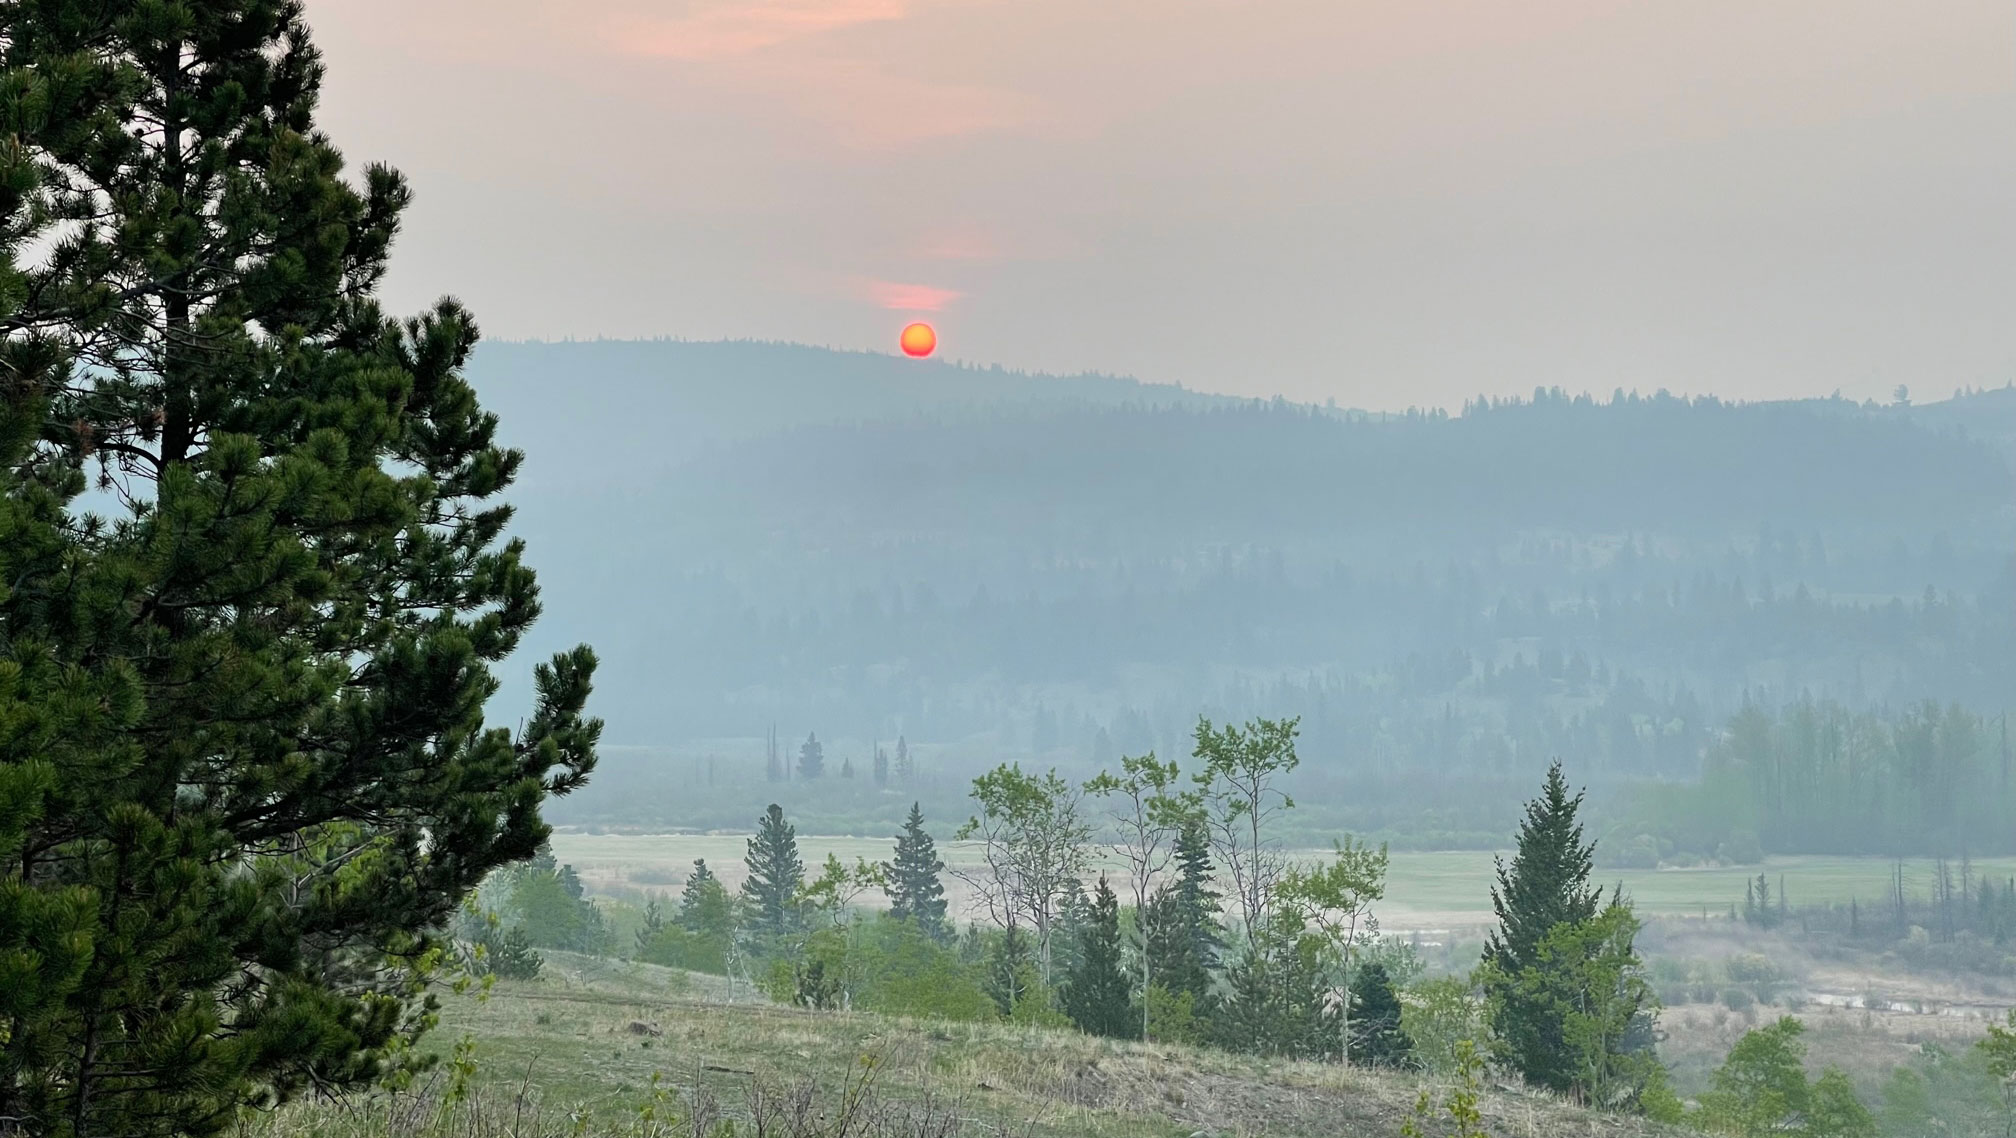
593	1034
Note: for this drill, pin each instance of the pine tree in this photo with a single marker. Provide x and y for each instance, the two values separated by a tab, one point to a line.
916	893
1011	971
904	769
811	758
775	875
654	923
246	779
1546	886
847	768
698	895
1096	993
773	760
1376	1036
881	767
1185	936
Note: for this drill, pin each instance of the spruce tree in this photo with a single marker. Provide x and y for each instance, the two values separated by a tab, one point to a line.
245	774
1545	887
811	758
1011	971
1096	992
1182	920
1377	1039
881	767
654	923
698	897
915	891
775	875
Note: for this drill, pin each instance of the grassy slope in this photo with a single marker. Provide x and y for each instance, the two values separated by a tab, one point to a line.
572	1031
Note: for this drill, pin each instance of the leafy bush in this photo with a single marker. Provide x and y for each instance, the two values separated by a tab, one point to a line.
1641	852
1741	849
1439	1015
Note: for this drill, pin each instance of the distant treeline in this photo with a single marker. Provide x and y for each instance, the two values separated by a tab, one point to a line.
1818	778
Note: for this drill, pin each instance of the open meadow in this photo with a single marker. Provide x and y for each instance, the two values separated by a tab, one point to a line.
1425	892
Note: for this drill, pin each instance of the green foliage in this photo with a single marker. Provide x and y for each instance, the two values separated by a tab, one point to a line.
1939	1093
1546	886
704	904
1276	999
701	934
1761	1090
1012	980
512	957
811	758
552	911
1335	900
915	891
838	886
1466	1120
1438	1015
245	776
1033	838
1587	988
1148	815
1378	1038
1819	777
1173	1017
775	876
1240	770
1096	994
904	970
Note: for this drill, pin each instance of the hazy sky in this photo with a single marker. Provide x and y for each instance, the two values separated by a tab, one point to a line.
1385	202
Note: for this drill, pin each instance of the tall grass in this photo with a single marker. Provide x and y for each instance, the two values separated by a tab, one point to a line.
457	1107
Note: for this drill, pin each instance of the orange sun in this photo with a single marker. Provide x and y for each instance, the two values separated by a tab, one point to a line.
919	340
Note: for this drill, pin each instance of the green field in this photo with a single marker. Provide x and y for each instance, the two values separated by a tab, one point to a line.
1424	890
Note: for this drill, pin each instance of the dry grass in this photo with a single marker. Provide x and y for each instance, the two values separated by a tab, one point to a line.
594	1046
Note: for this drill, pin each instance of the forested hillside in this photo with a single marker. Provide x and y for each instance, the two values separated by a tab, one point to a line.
992	564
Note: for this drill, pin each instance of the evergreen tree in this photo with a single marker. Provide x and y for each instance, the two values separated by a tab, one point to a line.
881	767
1376	1036
554	911
1546	886
1177	966
915	890
1277	1000
512	957
702	899
1011	971
811	758
246	778
847	768
654	923
775	875
1096	993
904	770
1182	921
773	760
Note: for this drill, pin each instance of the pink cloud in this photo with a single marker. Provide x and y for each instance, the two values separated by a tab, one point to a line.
911	297
739	27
